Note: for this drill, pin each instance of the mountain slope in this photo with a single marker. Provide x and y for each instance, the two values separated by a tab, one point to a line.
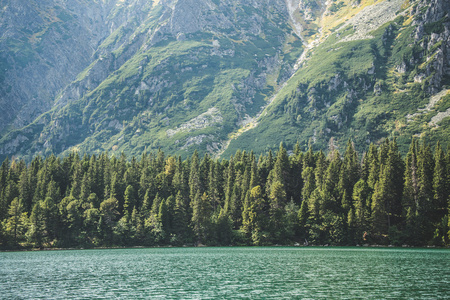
376	75
43	46
216	76
152	82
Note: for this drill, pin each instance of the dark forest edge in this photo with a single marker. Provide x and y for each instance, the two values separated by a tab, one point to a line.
305	197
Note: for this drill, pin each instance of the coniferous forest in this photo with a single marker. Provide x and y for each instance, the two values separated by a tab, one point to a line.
378	197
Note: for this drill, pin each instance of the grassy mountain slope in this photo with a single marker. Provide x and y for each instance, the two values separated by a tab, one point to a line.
366	84
183	79
217	76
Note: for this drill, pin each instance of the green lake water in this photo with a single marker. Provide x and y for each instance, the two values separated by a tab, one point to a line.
227	273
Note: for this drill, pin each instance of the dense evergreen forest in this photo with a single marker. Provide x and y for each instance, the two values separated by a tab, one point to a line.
282	198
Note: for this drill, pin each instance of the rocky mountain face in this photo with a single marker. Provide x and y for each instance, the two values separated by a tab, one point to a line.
43	46
180	75
162	66
370	71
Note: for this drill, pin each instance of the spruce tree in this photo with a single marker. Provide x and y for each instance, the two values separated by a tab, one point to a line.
309	182
277	203
349	175
378	210
256	217
373	165
201	217
181	219
425	175
441	190
25	190
213	185
229	184
130	201
35	233
303	217
195	185
410	200
16	224
393	184
331	196
361	196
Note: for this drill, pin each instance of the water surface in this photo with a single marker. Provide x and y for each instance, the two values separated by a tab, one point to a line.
224	273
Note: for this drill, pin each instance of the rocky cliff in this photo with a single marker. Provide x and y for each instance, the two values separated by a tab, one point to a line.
162	65
43	47
373	70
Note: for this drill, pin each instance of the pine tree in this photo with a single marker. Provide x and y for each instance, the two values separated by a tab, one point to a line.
179	182
146	206
130	201
131	176
425	209
246	215
147	184
224	227
204	169
236	204
295	183
309	182
194	178
315	206
244	184
277	204
410	200
281	168
330	192
349	175
109	214
379	215
4	173
308	159
373	166
321	166
77	179
49	207
265	166
303	217
10	192
361	196
181	219
164	217
441	189
201	217
254	173
36	232
25	190
16	224
256	219
155	205
86	187
170	170
213	185
229	184
393	184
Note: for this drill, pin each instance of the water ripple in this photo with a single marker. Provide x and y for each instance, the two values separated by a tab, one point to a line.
223	273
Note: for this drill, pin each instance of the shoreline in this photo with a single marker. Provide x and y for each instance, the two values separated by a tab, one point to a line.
230	246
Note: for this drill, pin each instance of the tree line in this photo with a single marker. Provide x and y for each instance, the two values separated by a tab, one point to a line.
282	198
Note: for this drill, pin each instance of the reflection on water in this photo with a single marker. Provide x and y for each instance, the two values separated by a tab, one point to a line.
223	273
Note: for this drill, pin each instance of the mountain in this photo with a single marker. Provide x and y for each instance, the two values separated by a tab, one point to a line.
369	72
44	45
216	76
